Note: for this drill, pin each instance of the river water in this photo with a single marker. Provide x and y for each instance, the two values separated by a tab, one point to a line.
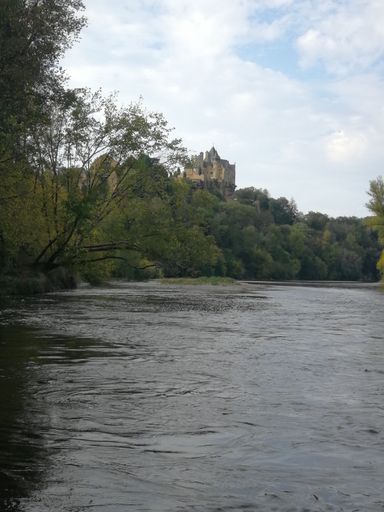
147	397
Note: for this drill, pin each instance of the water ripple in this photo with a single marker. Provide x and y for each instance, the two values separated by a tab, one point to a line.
166	399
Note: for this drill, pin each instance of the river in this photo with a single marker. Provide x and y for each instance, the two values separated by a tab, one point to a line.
167	398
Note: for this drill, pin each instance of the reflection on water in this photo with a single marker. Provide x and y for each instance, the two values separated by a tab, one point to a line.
22	456
154	398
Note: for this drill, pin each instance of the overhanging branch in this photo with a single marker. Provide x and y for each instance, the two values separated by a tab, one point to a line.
112	246
121	258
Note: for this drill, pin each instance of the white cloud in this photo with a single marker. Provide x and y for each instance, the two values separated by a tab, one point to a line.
344	147
347	38
295	138
277	3
205	27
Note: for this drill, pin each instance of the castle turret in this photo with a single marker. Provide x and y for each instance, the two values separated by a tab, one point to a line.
210	170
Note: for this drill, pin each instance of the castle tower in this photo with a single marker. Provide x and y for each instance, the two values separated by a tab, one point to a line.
209	170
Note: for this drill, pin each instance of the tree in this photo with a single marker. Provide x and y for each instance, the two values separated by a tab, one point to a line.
86	158
316	220
33	36
162	227
284	211
376	205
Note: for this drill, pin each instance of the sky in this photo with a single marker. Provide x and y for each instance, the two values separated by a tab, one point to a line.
292	91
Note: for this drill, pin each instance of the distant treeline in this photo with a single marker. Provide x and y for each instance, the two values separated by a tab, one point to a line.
261	237
193	232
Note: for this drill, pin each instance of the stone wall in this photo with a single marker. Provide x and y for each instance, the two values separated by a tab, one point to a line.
210	168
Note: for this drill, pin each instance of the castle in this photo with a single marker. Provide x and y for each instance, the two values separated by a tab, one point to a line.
209	169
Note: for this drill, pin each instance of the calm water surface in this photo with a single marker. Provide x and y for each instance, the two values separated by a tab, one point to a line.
145	397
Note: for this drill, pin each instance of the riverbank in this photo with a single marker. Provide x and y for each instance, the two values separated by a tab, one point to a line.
213	280
319	284
34	283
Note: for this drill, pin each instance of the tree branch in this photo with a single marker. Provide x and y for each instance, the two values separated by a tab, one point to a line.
104	258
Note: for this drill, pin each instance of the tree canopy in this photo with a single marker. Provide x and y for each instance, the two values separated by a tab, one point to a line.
34	34
376	205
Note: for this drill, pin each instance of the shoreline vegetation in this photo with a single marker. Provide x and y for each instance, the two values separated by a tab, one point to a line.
320	284
37	283
193	281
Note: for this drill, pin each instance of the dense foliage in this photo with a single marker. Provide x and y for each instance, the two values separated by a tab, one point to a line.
376	205
34	34
79	191
181	230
